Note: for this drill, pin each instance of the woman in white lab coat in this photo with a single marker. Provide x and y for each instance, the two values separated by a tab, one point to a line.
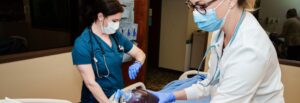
243	67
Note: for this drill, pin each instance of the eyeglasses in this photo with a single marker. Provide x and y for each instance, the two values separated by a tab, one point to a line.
201	8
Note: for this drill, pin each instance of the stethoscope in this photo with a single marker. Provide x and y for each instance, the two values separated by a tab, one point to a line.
216	76
95	60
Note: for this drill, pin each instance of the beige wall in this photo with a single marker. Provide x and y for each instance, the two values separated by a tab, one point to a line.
291	81
191	26
176	27
44	77
172	38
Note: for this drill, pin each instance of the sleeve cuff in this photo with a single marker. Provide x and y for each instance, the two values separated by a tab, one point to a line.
194	92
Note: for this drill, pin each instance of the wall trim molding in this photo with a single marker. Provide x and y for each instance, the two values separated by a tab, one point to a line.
289	62
33	54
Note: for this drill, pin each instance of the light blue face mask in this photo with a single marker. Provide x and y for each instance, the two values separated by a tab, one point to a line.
209	22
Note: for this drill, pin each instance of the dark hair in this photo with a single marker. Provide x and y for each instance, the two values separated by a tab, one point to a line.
91	8
291	13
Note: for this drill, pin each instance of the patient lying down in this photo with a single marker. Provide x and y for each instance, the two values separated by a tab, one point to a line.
135	96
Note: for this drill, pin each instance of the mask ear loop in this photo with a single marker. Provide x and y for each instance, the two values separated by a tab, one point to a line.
225	17
228	11
219	4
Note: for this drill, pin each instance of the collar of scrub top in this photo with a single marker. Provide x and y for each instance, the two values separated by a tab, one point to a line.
119	47
216	75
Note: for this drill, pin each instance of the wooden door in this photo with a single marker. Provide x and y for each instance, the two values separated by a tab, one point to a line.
141	18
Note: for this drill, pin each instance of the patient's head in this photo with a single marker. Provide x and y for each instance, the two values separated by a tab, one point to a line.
142	96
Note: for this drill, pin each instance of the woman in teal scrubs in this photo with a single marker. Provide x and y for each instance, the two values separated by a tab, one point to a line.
99	50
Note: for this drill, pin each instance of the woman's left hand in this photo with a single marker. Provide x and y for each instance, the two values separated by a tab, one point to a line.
164	97
134	69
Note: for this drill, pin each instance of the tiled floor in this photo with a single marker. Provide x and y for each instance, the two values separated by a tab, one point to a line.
157	78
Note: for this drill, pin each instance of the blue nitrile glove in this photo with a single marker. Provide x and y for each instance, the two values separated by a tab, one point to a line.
164	97
134	69
118	95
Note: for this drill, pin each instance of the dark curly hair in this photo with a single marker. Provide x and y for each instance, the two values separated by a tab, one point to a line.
90	9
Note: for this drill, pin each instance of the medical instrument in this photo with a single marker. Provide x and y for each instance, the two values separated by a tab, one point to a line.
120	49
215	77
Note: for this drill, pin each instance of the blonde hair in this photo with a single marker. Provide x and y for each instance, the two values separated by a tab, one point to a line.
248	5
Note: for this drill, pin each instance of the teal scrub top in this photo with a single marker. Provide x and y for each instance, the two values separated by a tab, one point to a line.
82	53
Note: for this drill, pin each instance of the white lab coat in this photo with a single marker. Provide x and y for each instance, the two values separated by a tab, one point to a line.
249	68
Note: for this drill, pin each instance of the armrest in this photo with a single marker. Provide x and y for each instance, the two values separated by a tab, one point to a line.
187	73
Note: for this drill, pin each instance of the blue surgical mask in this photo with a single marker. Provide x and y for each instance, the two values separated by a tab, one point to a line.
209	22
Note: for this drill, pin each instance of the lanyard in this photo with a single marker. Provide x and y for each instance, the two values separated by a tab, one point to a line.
237	27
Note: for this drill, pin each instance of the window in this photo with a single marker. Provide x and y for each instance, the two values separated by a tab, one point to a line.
50	14
282	26
34	25
33	28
